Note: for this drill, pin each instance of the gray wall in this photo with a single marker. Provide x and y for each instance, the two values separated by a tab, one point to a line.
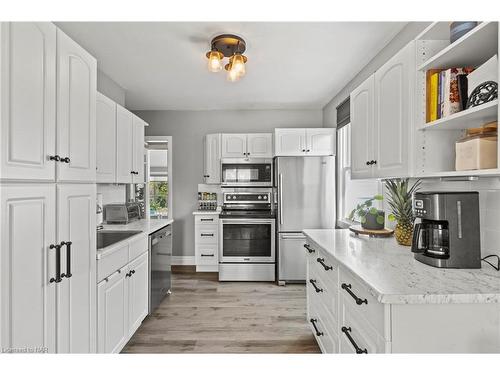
187	129
408	33
110	88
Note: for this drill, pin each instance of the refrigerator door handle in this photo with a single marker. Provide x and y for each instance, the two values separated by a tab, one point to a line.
280	193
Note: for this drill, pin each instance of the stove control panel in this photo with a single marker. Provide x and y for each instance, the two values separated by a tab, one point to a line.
247	197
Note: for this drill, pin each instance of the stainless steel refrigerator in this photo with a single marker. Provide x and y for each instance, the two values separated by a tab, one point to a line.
305	191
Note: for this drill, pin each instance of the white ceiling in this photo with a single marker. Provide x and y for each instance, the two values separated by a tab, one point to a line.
162	65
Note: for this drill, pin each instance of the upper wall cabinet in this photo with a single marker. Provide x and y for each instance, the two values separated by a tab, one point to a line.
138	150
247	145
76	113
34	114
381	119
211	162
28	100
304	142
106	139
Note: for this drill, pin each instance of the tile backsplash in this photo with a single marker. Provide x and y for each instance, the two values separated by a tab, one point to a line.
489	207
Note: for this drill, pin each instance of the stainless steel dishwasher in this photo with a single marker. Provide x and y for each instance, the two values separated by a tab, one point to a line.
160	266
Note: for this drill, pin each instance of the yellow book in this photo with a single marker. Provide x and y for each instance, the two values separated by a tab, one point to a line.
433	97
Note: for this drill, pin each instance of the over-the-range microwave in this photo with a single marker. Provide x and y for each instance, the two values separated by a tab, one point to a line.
247	172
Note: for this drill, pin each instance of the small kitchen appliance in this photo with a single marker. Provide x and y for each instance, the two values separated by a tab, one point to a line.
121	213
247	235
447	235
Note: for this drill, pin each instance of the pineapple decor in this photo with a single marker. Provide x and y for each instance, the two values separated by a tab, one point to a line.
399	195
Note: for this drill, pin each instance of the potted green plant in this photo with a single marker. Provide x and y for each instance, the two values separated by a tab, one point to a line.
399	198
370	217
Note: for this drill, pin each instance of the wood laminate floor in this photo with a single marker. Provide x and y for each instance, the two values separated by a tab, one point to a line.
203	315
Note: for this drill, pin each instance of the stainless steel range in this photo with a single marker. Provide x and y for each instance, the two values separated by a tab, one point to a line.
247	233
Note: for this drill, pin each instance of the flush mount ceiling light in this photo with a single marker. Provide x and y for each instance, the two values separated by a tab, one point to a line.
232	47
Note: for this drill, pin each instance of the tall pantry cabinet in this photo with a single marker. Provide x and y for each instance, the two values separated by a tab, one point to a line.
47	191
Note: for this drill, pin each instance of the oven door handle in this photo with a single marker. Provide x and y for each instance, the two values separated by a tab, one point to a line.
247	221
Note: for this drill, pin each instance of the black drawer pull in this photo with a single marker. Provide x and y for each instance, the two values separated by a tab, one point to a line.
68	259
313	322
207	234
347	288
207	255
313	283
58	278
55	158
206	219
309	248
346	331
65	160
322	262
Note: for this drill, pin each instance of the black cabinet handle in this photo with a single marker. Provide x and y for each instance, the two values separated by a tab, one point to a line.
68	259
313	283
309	249
346	331
65	160
374	162
128	274
207	255
57	279
367	163
132	272
313	322
303	150
347	288
206	219
308	150
207	235
322	262
55	157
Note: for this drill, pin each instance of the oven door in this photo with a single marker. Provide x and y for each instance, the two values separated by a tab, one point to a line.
247	241
247	172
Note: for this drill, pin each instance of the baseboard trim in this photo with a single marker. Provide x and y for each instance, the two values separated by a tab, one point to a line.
181	260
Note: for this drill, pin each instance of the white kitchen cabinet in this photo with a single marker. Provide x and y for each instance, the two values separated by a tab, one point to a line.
206	242
112	302
138	150
304	142
28	228
124	145
289	142
28	100
393	97
260	145
234	145
362	129
76	306
137	288
106	139
211	162
76	111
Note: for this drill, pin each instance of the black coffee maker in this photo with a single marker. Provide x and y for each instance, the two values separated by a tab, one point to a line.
447	235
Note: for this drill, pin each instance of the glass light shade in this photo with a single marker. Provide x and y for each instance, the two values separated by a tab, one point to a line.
238	64
214	61
232	74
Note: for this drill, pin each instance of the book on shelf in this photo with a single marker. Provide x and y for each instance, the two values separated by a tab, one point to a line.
446	92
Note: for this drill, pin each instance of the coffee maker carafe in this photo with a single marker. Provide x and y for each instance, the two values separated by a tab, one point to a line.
447	235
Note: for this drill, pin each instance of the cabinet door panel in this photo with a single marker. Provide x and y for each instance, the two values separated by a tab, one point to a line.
106	139
112	325
289	142
28	100
124	145
138	147
234	145
362	117
320	142
260	145
76	111
76	307
211	172
28	317
393	95
137	293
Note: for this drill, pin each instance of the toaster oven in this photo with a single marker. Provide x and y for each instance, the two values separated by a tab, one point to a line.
121	213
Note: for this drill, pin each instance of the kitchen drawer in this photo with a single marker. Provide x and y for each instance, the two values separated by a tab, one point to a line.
362	333
206	219
368	307
206	255
137	246
327	341
206	234
326	295
112	262
329	272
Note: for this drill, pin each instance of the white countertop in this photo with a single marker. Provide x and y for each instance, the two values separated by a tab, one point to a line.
207	212
394	276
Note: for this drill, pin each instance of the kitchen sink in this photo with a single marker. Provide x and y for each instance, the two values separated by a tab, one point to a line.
106	238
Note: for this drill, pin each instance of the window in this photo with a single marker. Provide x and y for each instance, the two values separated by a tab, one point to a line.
349	192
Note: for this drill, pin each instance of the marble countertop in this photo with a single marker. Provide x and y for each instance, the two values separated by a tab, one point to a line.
145	226
393	275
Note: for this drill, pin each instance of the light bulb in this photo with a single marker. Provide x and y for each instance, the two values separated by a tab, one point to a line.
238	64
232	74
214	61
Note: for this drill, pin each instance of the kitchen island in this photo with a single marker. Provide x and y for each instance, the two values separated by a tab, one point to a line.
370	295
